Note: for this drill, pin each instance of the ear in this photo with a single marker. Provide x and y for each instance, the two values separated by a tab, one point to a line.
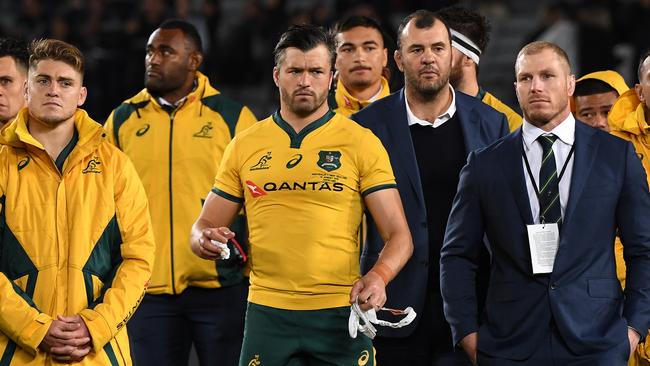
276	76
385	57
467	62
83	93
195	60
26	90
571	84
639	92
398	60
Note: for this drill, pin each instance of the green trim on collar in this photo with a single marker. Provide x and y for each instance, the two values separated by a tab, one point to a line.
296	138
63	155
481	94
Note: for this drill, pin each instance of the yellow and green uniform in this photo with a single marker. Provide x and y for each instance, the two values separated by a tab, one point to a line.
302	193
176	152
341	101
627	120
76	239
514	119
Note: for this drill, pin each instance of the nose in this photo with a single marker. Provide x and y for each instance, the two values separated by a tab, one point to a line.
152	58
304	79
427	56
535	85
600	121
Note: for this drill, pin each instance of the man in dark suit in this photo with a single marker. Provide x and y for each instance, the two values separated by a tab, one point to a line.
550	198
428	130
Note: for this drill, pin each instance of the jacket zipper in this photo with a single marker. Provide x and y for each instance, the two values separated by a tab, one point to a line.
171	206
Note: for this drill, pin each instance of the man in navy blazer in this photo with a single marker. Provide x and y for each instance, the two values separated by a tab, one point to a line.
574	311
428	130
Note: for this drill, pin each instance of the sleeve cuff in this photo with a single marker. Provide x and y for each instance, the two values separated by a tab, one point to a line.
98	327
378	188
32	336
227	195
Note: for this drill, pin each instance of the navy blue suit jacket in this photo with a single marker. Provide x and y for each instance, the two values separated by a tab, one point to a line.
481	125
582	295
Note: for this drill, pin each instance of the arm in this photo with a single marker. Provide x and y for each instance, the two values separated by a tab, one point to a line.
459	259
634	224
109	126
132	273
218	212
385	206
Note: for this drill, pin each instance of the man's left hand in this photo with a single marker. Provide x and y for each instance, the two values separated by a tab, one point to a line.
370	290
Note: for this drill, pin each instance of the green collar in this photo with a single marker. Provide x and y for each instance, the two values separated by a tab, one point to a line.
481	94
63	155
297	137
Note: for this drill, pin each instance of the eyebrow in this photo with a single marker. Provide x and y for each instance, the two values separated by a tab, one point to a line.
60	78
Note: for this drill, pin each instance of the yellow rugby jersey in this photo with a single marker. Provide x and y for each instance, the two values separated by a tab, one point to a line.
514	119
341	101
302	193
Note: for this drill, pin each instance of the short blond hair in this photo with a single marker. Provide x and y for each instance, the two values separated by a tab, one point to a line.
53	49
537	47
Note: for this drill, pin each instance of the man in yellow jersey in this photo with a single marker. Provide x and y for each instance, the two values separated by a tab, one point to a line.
175	131
361	58
13	73
76	240
628	120
595	96
304	176
470	34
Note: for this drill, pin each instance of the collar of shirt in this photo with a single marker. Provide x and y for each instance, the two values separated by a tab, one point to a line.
446	116
164	102
565	131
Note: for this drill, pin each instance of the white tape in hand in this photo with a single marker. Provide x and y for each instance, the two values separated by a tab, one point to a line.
225	251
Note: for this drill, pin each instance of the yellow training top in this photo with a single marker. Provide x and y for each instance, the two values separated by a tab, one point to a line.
341	101
302	193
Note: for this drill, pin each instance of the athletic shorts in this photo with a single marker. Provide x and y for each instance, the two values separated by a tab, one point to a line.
277	337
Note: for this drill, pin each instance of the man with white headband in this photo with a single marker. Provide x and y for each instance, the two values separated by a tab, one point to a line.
470	34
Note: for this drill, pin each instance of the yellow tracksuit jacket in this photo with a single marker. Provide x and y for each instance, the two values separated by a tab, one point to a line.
514	119
73	242
627	120
177	153
341	101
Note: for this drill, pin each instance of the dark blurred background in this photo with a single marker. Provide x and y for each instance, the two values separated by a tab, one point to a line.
239	35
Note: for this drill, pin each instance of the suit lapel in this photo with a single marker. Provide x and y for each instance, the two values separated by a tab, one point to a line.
514	171
584	155
403	144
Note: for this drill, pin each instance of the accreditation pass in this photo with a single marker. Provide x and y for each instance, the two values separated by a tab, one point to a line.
543	240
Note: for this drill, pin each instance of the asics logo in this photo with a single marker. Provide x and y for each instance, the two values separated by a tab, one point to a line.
143	130
295	160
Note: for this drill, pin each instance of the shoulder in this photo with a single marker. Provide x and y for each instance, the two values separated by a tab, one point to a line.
379	108
468	103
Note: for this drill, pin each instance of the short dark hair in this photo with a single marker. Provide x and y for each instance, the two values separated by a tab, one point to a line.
591	87
359	21
469	23
639	71
305	38
53	49
16	49
189	31
424	19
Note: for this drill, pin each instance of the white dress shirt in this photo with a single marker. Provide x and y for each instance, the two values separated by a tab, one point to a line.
565	132
446	116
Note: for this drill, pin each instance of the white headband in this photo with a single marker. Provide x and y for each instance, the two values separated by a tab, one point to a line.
465	46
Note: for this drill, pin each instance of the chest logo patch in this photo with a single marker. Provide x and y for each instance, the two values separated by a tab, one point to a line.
329	160
142	130
295	160
263	163
254	189
205	131
23	163
92	166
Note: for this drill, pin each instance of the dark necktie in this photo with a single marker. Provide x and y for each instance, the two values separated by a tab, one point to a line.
549	190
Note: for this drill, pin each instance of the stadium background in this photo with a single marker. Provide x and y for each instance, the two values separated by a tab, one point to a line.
239	35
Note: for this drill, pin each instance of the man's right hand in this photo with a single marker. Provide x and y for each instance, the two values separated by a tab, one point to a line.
469	344
66	341
206	249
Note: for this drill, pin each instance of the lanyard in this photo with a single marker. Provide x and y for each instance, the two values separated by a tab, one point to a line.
530	172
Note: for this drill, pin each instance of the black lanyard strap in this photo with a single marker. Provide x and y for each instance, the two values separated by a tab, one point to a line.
559	178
